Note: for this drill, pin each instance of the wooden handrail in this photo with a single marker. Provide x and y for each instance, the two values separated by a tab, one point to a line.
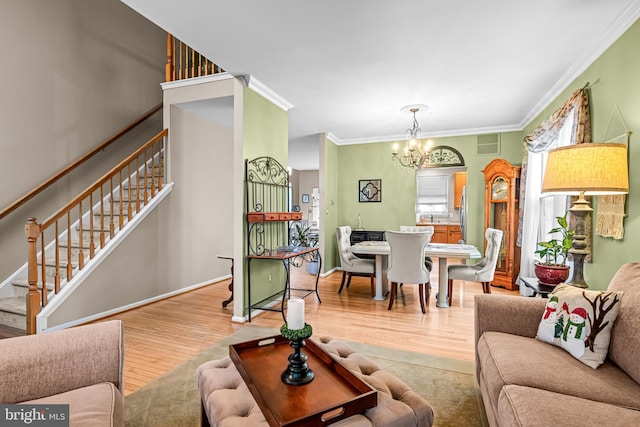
105	178
31	194
138	179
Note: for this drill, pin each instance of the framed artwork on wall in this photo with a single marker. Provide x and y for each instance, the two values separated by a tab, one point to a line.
305	198
370	190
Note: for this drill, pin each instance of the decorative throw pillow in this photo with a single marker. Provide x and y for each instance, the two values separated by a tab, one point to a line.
580	321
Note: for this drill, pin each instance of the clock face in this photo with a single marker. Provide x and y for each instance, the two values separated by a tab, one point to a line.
499	189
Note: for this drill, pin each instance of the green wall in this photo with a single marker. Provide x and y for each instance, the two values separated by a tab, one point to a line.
329	156
616	81
373	161
265	133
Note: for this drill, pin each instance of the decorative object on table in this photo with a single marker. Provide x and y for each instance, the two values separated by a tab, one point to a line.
580	322
415	155
501	210
585	169
553	268
296	208
303	235
296	331
359	226
370	190
305	198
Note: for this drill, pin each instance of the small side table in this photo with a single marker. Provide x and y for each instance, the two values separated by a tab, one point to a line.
226	302
538	288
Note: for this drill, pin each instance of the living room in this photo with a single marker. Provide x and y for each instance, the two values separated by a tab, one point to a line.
613	89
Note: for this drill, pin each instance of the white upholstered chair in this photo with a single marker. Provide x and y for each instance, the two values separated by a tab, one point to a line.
428	261
406	263
484	270
350	264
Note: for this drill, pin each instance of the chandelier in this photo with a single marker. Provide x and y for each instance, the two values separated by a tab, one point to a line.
415	154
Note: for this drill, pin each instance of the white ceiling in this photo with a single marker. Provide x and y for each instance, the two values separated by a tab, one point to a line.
348	66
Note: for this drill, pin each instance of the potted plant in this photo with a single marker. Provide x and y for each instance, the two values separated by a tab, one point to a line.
553	268
303	235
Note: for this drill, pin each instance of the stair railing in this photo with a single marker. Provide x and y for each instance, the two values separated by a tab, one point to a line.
37	190
111	201
184	62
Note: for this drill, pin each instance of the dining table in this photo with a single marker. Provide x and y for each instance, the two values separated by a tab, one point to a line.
443	251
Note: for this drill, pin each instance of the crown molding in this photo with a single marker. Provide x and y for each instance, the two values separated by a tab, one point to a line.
263	90
625	19
423	135
196	81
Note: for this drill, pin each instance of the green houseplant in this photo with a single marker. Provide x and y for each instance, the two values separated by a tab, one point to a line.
303	235
553	268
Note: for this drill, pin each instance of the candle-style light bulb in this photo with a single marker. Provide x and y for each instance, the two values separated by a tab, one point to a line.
395	148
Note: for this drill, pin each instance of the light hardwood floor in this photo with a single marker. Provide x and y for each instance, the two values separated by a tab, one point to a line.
160	336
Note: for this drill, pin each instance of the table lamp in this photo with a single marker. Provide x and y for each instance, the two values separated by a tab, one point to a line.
586	169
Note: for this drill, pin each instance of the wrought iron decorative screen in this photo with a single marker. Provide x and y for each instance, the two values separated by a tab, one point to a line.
267	191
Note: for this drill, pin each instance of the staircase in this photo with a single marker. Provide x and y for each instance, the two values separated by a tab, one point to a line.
73	245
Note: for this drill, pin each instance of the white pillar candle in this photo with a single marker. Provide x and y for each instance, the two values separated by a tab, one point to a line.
295	314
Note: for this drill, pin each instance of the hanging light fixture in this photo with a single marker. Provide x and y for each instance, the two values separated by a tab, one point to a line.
415	154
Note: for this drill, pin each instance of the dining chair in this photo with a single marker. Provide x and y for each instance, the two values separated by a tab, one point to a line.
482	271
428	261
350	264
406	263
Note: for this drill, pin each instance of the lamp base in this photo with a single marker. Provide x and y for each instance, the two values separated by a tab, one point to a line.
578	250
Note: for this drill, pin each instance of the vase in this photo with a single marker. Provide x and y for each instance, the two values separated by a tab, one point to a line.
551	275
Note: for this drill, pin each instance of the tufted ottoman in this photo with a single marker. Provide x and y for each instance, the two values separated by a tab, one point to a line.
227	401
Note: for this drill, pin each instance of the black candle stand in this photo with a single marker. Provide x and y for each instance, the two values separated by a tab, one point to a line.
298	372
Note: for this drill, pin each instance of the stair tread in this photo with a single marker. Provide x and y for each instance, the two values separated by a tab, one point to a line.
15	305
24	283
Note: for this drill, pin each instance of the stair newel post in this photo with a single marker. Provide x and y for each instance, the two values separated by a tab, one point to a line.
32	230
169	67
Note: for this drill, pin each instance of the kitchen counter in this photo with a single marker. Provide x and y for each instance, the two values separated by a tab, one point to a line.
444	231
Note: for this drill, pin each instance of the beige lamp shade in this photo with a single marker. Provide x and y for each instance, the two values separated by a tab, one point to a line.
590	168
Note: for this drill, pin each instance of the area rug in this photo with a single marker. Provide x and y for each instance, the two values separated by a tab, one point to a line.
449	385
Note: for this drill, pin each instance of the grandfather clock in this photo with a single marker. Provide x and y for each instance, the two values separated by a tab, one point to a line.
501	206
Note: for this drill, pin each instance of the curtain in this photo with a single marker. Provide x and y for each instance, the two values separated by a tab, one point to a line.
542	139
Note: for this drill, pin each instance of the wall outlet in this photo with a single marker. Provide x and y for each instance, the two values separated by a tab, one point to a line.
269	278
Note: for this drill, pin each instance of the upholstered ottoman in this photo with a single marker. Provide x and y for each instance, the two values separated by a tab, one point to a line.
227	401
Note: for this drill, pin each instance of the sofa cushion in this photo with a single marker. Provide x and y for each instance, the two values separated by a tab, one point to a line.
510	359
625	335
96	405
580	321
525	406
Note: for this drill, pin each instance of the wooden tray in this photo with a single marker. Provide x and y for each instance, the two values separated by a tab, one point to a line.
335	392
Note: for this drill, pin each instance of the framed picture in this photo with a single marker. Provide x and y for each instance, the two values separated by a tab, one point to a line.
370	190
305	198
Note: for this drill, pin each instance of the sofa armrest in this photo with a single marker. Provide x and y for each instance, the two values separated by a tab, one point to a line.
511	315
36	366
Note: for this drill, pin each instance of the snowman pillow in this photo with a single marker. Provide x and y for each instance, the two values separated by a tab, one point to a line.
580	321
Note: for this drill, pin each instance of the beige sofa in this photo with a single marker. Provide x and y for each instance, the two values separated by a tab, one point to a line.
526	382
81	367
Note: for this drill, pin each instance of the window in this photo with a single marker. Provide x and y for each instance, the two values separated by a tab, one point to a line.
432	193
549	206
